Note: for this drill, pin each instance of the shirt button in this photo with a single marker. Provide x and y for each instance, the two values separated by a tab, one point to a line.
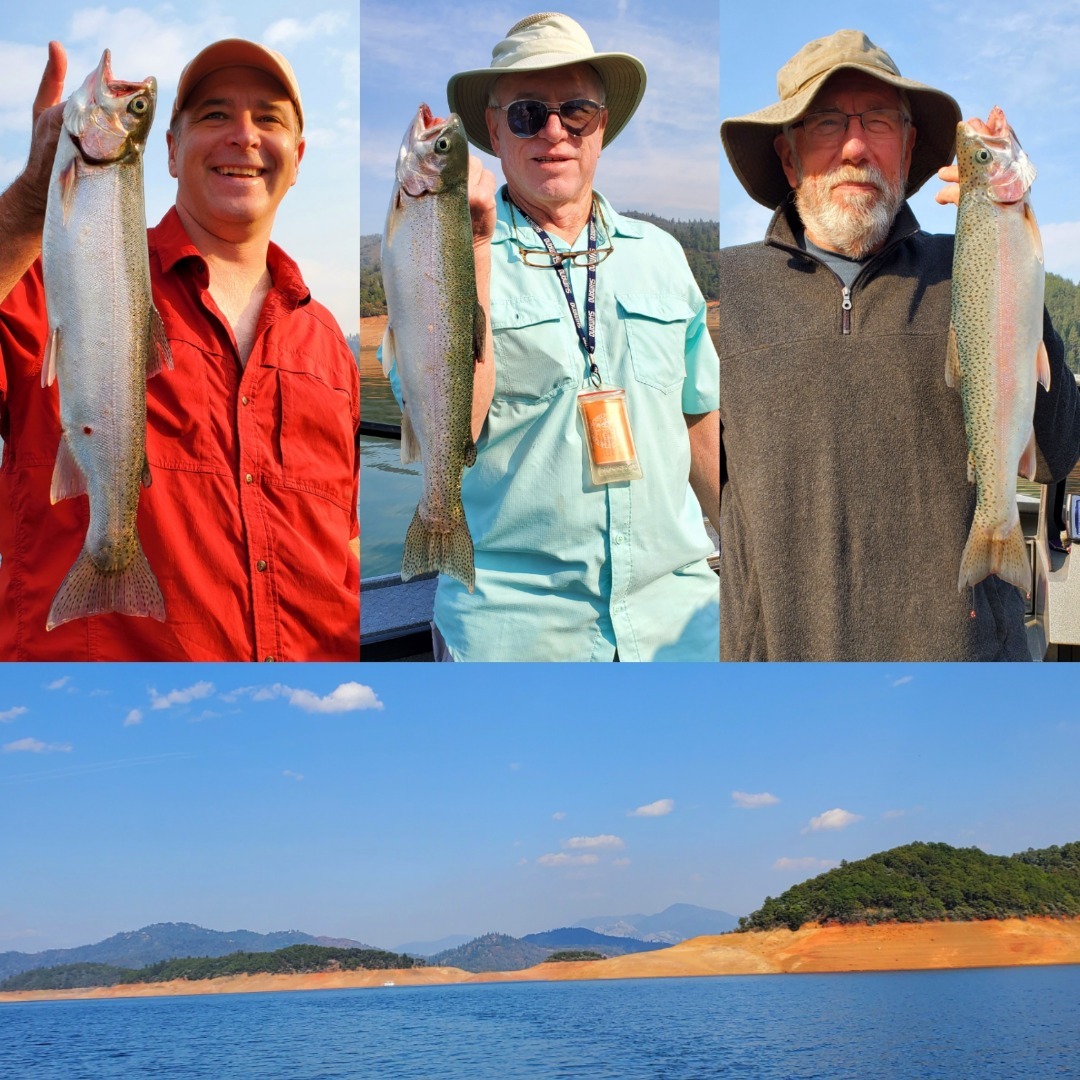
260	565
249	479
244	400
618	538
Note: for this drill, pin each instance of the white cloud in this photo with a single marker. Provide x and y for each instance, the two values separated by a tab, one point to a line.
748	801
654	809
58	684
293	775
180	697
902	680
9	714
286	33
624	861
802	864
594	843
832	819
562	859
134	717
559	815
35	746
348	697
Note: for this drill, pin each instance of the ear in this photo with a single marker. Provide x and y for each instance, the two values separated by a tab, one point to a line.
170	139
491	118
787	159
908	149
301	146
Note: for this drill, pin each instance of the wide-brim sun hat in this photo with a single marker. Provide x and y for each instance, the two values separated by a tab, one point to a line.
748	140
238	52
540	43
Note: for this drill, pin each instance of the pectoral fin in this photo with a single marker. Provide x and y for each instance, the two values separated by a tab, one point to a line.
1033	230
160	355
389	351
1027	465
1042	366
48	364
67	189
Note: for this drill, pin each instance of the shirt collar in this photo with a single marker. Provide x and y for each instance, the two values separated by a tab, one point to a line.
618	225
171	243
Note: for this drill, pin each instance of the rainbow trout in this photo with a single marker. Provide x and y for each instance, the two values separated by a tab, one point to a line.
996	353
105	338
434	332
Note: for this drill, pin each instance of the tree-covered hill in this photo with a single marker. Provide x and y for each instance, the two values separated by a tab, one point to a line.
1063	303
294	960
920	882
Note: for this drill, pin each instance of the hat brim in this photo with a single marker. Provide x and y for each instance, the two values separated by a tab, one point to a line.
623	76
748	140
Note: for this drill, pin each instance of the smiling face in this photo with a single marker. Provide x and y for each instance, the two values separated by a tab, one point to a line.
551	174
849	192
235	151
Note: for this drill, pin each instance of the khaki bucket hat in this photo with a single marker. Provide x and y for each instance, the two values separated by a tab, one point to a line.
748	140
237	52
539	43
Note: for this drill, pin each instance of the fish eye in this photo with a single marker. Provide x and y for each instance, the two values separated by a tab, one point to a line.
442	144
982	156
139	105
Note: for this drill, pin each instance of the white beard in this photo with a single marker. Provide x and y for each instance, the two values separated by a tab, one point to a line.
853	224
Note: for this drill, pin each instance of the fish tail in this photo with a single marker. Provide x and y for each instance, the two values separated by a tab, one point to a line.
87	590
448	552
986	553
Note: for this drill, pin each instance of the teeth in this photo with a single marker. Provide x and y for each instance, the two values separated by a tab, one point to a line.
232	170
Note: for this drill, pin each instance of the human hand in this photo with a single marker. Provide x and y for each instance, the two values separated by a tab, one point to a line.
48	113
481	201
950	193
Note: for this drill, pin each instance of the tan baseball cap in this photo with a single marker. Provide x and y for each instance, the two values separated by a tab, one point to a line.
237	52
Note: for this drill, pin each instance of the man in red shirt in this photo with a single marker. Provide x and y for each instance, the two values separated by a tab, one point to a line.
250	522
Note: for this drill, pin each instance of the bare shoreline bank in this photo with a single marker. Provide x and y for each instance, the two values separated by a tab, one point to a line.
812	949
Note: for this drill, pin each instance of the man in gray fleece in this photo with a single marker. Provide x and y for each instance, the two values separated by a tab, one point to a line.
845	502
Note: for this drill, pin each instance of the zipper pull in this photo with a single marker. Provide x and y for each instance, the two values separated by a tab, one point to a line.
847	298
845	321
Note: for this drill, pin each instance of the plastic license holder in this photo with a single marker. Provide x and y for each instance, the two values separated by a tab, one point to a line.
608	438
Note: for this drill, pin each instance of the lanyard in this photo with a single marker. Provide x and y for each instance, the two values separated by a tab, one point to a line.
586	333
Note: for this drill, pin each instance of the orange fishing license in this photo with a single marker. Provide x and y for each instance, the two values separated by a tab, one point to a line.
610	442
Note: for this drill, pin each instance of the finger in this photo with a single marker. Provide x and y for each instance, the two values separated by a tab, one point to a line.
51	90
950	174
948	195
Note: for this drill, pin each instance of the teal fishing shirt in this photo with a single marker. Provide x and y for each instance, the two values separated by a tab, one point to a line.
565	569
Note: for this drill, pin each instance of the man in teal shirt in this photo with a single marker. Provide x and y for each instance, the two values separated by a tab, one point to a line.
567	568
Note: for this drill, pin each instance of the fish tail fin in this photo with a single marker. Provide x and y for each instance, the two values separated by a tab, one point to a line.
448	552
987	552
87	590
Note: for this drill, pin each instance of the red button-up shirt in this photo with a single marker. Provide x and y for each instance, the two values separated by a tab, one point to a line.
254	471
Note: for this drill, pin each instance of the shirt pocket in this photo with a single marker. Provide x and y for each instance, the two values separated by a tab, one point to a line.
536	350
656	325
317	440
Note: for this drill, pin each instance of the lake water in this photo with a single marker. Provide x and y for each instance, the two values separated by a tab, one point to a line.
962	1025
389	490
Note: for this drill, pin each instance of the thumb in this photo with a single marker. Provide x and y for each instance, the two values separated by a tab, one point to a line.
51	90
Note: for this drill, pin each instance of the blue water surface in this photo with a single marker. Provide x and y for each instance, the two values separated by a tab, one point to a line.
982	1024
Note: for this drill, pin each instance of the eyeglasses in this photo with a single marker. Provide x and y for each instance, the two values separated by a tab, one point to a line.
830	126
527	118
544	259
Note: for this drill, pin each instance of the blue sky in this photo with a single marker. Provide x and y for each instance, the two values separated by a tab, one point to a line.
318	222
1021	57
392	803
665	161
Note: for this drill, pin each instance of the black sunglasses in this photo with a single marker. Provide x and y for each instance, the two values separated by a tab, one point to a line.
527	118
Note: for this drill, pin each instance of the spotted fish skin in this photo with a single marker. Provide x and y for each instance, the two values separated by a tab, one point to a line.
996	354
434	334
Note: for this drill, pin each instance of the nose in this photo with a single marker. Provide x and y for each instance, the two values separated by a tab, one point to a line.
244	131
855	144
553	130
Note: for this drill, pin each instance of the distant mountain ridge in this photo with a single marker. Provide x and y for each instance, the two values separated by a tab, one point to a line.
165	941
678	922
501	952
